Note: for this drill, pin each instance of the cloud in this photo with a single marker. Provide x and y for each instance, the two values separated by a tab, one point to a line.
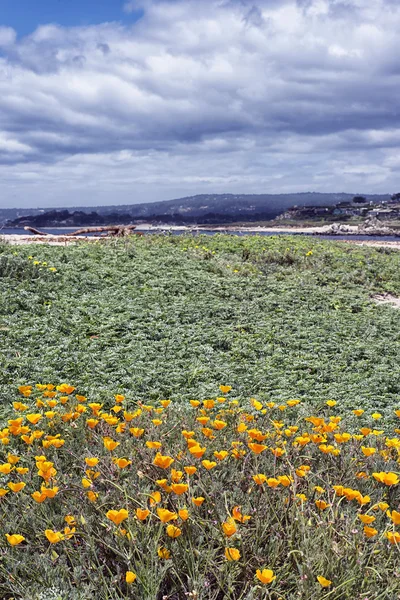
222	95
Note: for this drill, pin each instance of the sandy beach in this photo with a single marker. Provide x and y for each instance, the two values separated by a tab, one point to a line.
63	240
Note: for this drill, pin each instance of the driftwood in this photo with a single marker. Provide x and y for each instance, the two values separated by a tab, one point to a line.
115	230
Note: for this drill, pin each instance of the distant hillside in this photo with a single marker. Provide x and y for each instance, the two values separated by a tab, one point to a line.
204	208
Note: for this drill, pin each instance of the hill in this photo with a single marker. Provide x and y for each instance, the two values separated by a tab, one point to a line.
203	208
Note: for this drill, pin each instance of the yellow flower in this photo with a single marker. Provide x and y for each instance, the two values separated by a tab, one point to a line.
163	552
154	498
179	488
260	478
221	455
173	532
393	537
376	416
225	388
92	496
130	577
15	539
366	519
117	516
368	451
370	531
331	403
218	424
5	468
197	451
16	487
265	576
164	462
184	514
208	464
136	432
142	513
323	581
86	483
34	418
54	536
257	448
232	554
358	412
229	527
198	501
321	505
194	403
91	462
386	478
394	516
122	462
209	404
64	388
110	444
166	515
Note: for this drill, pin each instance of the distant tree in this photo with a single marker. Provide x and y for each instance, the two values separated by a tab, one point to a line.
395	196
359	200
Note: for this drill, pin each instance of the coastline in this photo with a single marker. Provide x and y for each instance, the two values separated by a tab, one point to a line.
60	240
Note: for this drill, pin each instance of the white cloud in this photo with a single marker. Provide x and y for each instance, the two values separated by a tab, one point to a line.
222	95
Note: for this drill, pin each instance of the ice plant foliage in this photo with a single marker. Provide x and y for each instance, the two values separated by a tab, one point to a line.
239	498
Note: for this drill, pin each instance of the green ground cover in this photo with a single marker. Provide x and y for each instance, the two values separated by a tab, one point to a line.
173	317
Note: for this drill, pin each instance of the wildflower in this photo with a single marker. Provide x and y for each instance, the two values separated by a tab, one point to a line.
229	527
54	536
323	581
366	519
273	482
184	514
91	462
142	513
358	412
376	416
16	487
130	577
284	480
34	418
92	423
137	432
122	462
386	478
5	468
257	448
265	576
92	496
321	505
198	501
110	444
394	516
232	554
179	488
166	515
208	464
370	532
163	553
260	478
393	537
368	451
221	455
117	516
197	451
173	532
15	539
225	388
331	403
154	498
164	462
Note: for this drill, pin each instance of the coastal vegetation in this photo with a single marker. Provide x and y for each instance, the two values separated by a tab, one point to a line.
199	417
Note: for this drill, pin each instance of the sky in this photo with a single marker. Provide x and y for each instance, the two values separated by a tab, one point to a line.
119	102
